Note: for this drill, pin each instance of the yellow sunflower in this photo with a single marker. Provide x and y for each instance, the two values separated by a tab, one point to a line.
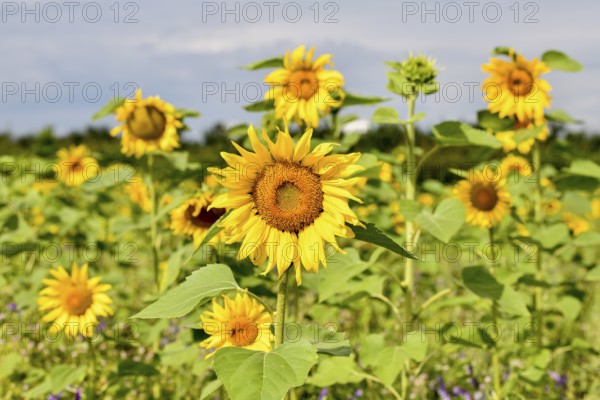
74	301
577	225
509	143
516	89
302	88
75	165
385	173
240	322
139	193
515	163
484	197
552	206
194	218
287	201
147	124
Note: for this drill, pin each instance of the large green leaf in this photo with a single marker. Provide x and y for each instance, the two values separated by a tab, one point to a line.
109	107
198	288
257	375
586	168
357	100
453	133
560	116
260	106
551	236
336	370
372	234
57	379
341	268
386	115
558	60
488	120
326	341
275	62
478	280
445	221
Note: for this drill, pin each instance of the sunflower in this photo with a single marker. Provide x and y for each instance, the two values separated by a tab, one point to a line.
385	173
486	200
515	163
287	201
193	218
516	89
552	206
577	225
74	301
240	322
139	193
147	124
524	147
75	165
303	88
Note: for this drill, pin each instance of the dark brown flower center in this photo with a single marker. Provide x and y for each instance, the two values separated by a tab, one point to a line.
243	333
520	82
204	218
76	299
484	196
147	123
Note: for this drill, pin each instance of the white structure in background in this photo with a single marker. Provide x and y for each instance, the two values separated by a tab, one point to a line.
357	126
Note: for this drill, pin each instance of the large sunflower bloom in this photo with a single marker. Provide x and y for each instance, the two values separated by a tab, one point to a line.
516	89
240	322
302	88
193	218
486	200
74	301
75	165
147	124
287	201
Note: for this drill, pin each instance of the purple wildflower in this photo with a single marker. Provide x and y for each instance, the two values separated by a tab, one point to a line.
323	394
458	391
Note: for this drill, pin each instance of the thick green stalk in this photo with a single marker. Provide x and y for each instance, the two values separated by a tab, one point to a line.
281	306
538	323
497	378
153	223
410	194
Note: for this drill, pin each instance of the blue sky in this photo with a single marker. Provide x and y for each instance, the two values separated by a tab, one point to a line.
60	69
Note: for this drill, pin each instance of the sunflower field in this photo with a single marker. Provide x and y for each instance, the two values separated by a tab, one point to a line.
300	260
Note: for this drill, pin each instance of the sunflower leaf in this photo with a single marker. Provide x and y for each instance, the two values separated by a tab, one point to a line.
198	288
275	62
561	116
489	120
453	133
558	60
478	280
250	375
445	221
260	106
386	115
109	108
357	100
210	234
372	234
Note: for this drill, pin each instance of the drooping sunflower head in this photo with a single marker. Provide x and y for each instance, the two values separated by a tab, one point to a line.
147	124
194	218
303	88
287	201
486	200
74	302
512	163
75	165
515	88
239	322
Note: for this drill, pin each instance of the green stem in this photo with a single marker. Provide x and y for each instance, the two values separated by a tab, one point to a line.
538	323
153	223
92	370
335	126
496	352
410	194
281	306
